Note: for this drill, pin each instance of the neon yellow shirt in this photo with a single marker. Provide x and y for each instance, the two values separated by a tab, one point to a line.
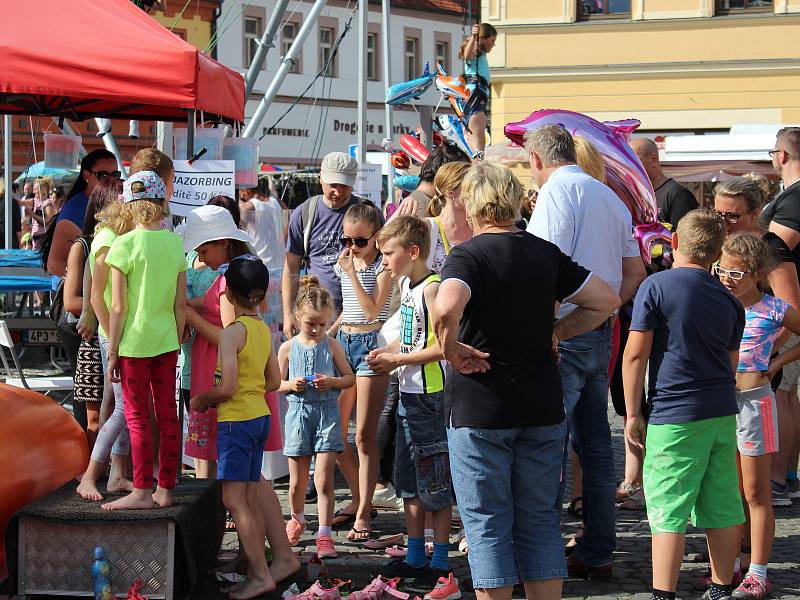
249	401
103	238
151	261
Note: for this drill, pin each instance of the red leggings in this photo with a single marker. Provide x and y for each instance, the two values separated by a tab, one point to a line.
141	377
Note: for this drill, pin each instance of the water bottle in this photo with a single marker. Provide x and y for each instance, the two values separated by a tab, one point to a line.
100	573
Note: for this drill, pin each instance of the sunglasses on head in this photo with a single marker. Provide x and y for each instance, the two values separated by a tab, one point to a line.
104	174
359	242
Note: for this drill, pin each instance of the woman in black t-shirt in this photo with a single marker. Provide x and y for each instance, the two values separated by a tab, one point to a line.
494	320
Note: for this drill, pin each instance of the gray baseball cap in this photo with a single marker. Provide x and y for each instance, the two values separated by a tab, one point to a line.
338	167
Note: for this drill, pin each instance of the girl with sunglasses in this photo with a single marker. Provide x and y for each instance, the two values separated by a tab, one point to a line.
743	269
366	288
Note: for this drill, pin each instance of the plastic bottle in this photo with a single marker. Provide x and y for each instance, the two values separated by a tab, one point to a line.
100	575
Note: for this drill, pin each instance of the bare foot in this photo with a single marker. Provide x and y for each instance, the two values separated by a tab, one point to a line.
88	490
361	531
344	515
163	497
114	486
233	588
136	500
254	588
282	569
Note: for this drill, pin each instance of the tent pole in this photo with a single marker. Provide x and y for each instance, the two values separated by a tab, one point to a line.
387	78
361	140
190	134
111	145
266	42
9	207
309	23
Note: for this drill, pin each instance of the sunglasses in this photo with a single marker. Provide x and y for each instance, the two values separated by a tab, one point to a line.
104	174
359	242
731	218
730	274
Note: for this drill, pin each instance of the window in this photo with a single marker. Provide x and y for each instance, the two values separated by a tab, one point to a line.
181	33
372	56
412	58
604	8
736	6
327	37
252	33
288	36
443	55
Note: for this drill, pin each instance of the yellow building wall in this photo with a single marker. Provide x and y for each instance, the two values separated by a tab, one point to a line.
536	11
198	32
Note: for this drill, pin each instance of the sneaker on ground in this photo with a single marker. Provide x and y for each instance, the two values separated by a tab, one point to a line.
400	568
707	596
428	580
705	578
780	495
752	588
386	497
380	588
294	529
793	487
319	592
446	589
325	547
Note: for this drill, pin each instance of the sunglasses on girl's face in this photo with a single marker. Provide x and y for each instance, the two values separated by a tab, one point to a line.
104	174
734	275
358	242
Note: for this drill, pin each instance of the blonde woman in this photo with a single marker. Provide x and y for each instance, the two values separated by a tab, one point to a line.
494	320
446	214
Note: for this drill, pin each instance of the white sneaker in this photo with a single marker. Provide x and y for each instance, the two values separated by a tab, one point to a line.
386	497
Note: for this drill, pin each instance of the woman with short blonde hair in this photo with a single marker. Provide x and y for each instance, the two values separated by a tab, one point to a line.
589	158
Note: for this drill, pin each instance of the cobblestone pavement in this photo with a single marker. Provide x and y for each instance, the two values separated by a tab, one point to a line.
632	570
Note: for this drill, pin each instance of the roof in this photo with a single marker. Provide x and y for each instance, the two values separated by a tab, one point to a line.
130	67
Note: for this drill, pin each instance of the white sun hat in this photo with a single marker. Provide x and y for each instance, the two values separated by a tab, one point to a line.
208	224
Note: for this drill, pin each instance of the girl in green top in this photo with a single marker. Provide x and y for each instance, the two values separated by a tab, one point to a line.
148	303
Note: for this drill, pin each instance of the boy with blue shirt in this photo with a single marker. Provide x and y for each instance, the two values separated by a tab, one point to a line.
689	327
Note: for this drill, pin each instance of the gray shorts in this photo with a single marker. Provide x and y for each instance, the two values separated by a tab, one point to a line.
757	421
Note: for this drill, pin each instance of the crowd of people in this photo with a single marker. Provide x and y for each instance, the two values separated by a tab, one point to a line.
475	351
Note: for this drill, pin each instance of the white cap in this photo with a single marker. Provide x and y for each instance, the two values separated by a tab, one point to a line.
338	167
208	224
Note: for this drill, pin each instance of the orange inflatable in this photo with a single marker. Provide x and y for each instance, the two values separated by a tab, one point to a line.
41	448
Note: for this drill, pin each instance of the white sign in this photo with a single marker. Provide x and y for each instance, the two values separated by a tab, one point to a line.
197	183
368	183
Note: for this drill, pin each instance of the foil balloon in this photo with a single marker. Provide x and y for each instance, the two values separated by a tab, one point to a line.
453	131
624	172
454	89
407	182
654	240
401	93
401	161
414	148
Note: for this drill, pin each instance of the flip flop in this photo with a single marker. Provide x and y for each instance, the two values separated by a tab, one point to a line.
367	532
384	542
348	518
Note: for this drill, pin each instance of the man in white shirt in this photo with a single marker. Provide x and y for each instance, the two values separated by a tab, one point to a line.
262	218
588	222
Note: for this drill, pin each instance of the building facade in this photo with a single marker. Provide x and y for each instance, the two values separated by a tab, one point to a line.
677	65
325	118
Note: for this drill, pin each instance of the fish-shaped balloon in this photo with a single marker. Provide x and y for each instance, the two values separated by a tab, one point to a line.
400	93
624	171
651	235
452	130
414	148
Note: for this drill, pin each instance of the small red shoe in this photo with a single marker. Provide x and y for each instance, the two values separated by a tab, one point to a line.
446	589
325	547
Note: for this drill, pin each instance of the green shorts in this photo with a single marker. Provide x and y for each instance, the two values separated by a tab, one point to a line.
690	470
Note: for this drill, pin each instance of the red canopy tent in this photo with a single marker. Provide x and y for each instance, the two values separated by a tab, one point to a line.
83	58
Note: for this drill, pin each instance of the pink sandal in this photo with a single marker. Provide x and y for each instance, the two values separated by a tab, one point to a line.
396	551
380	588
384	542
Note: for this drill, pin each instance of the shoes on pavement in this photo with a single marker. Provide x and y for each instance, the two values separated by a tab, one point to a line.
707	596
705	578
400	568
446	589
634	501
752	588
428	580
320	590
793	487
780	494
381	588
325	547
294	529
386	497
577	569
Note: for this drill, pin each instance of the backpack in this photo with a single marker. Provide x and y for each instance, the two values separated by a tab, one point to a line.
307	211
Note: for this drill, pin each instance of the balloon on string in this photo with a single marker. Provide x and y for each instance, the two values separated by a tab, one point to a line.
624	171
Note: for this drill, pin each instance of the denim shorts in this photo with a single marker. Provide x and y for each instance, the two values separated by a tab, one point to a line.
356	347
421	459
240	449
506	483
312	427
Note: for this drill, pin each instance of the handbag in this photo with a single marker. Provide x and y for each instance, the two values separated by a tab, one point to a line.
63	318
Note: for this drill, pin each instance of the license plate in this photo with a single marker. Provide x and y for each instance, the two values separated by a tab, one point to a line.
41	337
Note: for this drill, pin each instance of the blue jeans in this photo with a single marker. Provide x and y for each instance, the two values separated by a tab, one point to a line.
356	347
506	483
584	377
